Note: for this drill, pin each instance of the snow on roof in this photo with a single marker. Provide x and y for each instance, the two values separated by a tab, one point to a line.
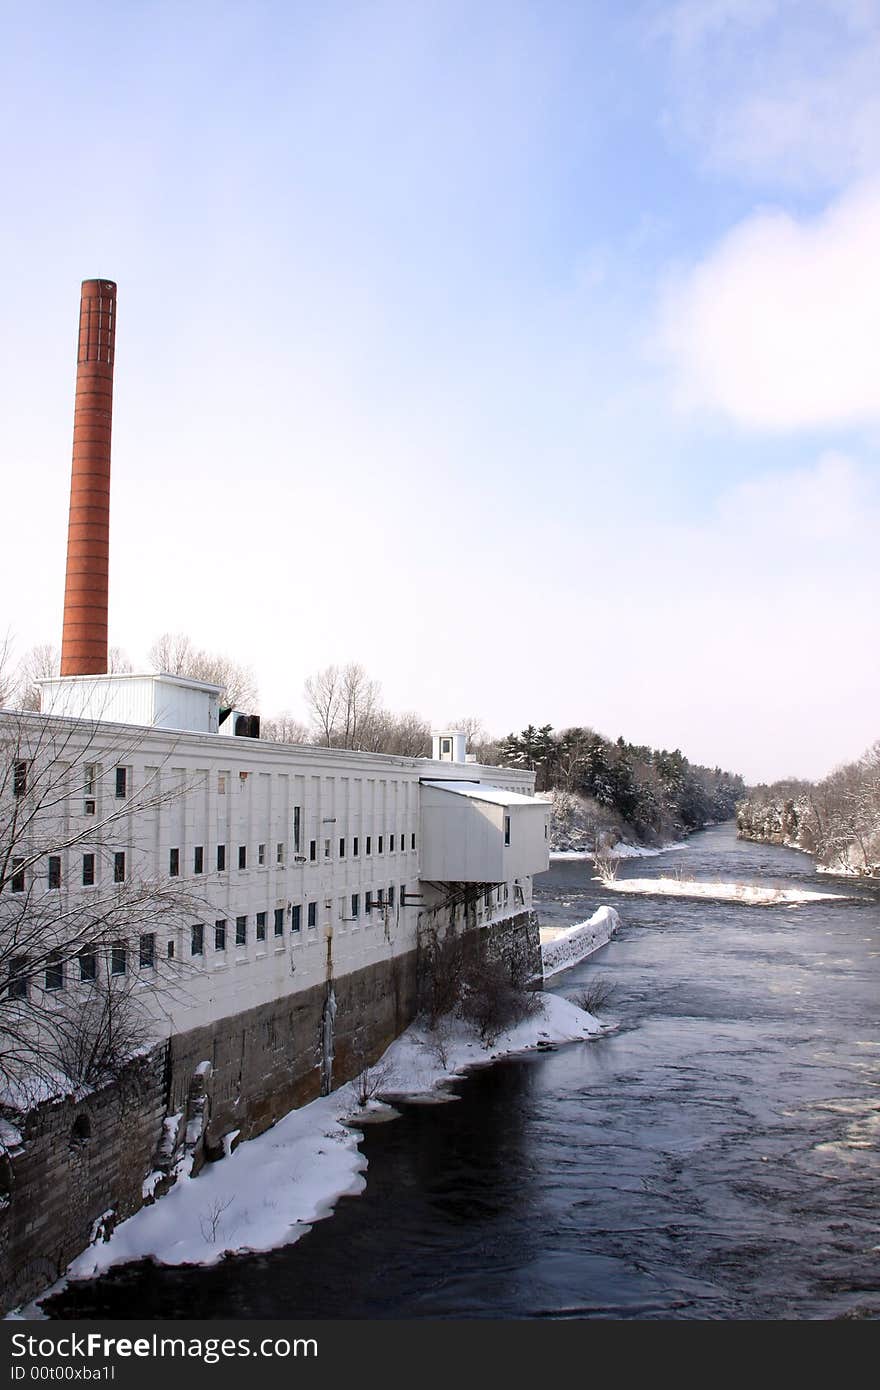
479	791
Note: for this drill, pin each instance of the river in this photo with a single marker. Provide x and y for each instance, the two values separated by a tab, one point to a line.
713	1156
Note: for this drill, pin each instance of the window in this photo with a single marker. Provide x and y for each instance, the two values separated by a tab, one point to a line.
369	845
221	783
326	849
54	970
391	896
261	854
295	918
199	859
403	895
242	856
355	904
341	849
413	845
119	866
88	963
380	897
54	870
354	846
446	745
487	898
174	863
379	846
279	852
16	882
170	950
313	850
313	915
118	958
368	902
221	858
279	920
147	951
88	869
507	830
19	778
220	934
89	774
297	827
197	940
121	782
261	926
241	931
17	979
390	844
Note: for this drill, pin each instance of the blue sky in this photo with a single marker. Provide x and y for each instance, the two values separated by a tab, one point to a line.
525	353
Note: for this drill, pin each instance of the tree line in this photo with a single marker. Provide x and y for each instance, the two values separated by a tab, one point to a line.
836	819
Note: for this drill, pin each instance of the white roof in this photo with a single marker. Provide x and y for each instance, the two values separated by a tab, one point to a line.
479	791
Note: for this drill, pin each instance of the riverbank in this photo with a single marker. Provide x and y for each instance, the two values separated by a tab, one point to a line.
563	947
269	1191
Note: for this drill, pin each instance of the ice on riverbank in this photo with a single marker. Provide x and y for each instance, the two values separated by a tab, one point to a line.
749	893
270	1189
618	851
562	947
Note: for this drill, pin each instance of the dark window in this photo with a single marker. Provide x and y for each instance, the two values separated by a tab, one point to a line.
313	850
279	920
54	970
199	859
326	849
368	902
171	950
355	904
279	852
403	895
391	896
119	866
147	950
313	915
220	934
390	844
380	897
54	870
296	918
341	849
197	940
174	863
242	856
221	858
17	879
241	931
122	781
88	869
507	830
19	778
354	846
413	845
118	958
369	844
379	846
88	963
446	745
297	823
261	926
261	854
17	979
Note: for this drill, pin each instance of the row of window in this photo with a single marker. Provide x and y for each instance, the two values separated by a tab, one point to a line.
84	962
377	899
21	776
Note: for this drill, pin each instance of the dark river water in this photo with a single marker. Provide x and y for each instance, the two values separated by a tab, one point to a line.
714	1156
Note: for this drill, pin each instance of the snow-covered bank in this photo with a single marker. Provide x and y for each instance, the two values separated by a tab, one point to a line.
269	1190
619	851
562	947
748	893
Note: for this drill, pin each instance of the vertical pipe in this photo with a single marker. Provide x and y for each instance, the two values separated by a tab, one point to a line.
84	639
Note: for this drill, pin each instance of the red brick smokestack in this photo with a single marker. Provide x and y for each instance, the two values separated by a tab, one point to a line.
84	640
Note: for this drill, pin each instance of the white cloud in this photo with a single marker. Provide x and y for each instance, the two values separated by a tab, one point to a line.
778	326
775	90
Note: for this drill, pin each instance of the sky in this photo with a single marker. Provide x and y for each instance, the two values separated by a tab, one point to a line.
525	353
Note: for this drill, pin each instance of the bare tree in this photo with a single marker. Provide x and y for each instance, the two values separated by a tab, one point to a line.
70	959
175	654
342	702
283	728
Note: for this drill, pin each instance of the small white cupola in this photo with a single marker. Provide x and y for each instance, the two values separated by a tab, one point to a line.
450	746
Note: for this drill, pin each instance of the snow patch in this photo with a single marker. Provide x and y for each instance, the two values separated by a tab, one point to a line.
564	947
749	893
619	851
